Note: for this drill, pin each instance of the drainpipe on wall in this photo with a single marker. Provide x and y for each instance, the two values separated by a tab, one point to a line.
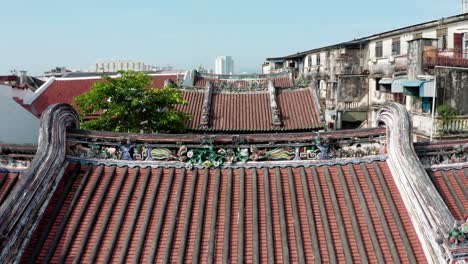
433	107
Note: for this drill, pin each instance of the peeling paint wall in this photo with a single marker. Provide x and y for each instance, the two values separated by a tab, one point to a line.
352	88
452	89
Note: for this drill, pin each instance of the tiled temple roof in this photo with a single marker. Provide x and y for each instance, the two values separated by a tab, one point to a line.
452	184
344	213
194	107
97	196
247	110
298	109
64	90
241	111
446	163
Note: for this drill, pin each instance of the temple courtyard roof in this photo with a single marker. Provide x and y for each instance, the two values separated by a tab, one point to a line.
308	197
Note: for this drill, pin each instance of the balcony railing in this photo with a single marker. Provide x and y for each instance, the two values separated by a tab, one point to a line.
449	57
351	106
456	126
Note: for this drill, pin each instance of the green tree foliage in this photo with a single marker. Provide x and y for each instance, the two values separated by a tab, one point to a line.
446	114
128	104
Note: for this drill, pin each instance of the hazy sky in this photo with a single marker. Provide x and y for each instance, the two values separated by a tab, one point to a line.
38	35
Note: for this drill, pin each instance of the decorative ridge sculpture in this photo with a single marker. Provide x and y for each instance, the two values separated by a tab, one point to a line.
275	112
429	213
22	211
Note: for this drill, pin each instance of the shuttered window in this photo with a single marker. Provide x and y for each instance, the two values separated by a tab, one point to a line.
379	49
396	47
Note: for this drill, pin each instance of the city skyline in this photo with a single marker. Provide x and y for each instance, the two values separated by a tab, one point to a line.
125	31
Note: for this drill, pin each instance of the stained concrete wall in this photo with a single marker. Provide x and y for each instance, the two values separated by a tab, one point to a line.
352	88
452	88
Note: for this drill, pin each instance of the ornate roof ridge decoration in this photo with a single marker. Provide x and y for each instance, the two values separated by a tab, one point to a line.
21	212
224	138
429	213
248	165
449	167
254	76
275	111
443	153
250	83
208	155
206	110
13	170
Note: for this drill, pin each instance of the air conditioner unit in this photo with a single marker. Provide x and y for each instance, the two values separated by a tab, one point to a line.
391	59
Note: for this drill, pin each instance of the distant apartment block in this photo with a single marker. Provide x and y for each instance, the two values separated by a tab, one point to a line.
422	66
224	65
115	66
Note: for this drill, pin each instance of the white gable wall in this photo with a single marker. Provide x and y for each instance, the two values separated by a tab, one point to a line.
17	125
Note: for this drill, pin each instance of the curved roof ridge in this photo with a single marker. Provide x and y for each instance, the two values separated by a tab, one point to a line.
421	198
20	213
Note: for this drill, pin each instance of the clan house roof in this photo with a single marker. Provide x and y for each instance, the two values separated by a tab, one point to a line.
63	90
217	103
346	196
447	165
452	183
163	215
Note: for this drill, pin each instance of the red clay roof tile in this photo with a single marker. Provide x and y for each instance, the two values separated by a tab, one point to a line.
298	109
229	111
194	107
347	213
63	91
241	111
453	187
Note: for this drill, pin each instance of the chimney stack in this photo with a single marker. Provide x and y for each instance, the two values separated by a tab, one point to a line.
464	6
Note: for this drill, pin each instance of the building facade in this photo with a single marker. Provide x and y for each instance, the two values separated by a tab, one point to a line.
115	66
423	66
224	65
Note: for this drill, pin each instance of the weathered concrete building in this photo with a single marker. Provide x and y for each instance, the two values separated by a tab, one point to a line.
410	65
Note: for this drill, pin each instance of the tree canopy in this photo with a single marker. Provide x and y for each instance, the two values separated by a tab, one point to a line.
128	103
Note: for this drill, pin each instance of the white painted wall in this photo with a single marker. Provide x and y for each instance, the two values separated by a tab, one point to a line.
17	125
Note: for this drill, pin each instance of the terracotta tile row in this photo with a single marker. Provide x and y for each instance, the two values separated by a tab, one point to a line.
453	187
318	214
63	91
298	109
194	107
241	112
284	82
250	111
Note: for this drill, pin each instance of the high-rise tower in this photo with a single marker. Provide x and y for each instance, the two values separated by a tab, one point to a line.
224	65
